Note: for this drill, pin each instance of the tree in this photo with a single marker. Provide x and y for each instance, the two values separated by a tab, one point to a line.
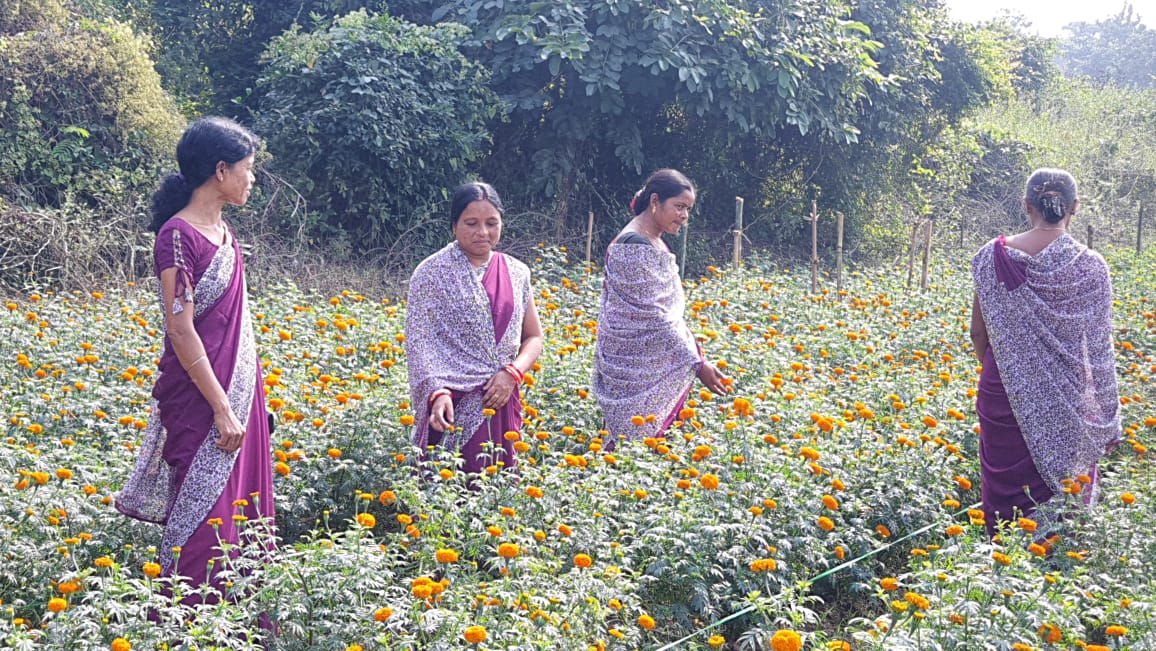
1119	51
373	118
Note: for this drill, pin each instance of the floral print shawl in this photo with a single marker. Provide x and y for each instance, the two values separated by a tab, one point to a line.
645	357
1050	330
450	339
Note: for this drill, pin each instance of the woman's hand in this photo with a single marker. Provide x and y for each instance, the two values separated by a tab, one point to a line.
712	379
229	429
498	389
441	413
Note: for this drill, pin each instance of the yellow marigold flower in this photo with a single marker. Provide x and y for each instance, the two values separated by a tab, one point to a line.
917	600
535	492
1027	524
646	621
786	640
103	561
1001	558
151	570
57	604
406	419
1116	631
716	641
709	481
954	530
475	634
382	614
508	550
583	560
1128	498
446	473
120	644
366	520
825	523
446	556
353	647
889	583
487	412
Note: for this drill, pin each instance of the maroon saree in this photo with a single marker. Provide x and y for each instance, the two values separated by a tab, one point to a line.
181	479
460	331
1048	400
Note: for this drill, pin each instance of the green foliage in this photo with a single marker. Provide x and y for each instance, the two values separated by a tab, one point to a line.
372	119
84	115
29	15
1119	51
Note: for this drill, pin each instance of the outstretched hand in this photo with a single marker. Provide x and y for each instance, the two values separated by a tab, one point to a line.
712	379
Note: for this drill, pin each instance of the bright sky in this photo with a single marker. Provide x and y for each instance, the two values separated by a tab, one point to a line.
1048	17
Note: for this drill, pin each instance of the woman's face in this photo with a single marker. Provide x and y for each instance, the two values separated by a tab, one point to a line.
478	230
236	180
671	215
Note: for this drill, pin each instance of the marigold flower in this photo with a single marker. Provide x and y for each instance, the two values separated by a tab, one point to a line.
638	420
508	550
954	530
709	481
716	641
1050	633
825	523
830	502
366	520
68	587
151	570
1128	498
646	621
475	634
446	556
382	614
446	473
102	561
1038	549
583	560
917	600
963	482
282	468
1001	558
786	640
57	604
882	530
1116	631
565	530
889	583
535	492
120	644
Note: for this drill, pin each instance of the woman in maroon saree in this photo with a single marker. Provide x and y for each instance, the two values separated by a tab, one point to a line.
205	461
472	332
645	357
1042	325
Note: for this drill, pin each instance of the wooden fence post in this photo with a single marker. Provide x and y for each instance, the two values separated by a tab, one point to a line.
682	251
911	253
1140	230
923	281
814	247
839	253
589	237
1091	232
738	232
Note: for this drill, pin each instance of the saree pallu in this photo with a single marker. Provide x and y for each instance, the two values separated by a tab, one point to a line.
1048	402
181	479
459	332
645	357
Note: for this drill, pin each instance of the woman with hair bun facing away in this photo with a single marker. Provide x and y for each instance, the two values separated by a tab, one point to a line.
1048	402
645	357
471	334
205	456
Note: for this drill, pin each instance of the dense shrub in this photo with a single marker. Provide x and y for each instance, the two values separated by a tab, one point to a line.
372	119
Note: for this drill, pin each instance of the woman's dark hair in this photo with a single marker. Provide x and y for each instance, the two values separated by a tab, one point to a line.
664	183
205	143
468	193
1052	192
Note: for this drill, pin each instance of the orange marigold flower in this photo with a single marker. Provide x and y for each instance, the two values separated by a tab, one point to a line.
583	560
535	492
151	570
825	523
889	583
508	550
646	621
709	481
786	640
830	502
446	556
366	520
382	614
954	530
57	604
1116	631
120	644
882	530
475	634
1128	498
1050	633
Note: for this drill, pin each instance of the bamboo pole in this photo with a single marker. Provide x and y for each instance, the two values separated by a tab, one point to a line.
589	237
911	254
1140	230
738	233
839	253
814	247
1091	232
923	280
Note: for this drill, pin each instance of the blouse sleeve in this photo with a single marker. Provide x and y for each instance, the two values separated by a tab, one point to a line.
169	253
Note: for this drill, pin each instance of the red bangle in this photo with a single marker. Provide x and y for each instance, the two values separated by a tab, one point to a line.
439	393
514	372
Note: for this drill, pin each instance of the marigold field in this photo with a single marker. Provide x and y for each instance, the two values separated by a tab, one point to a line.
826	500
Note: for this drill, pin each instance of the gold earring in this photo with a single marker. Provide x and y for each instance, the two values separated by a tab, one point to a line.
653	209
